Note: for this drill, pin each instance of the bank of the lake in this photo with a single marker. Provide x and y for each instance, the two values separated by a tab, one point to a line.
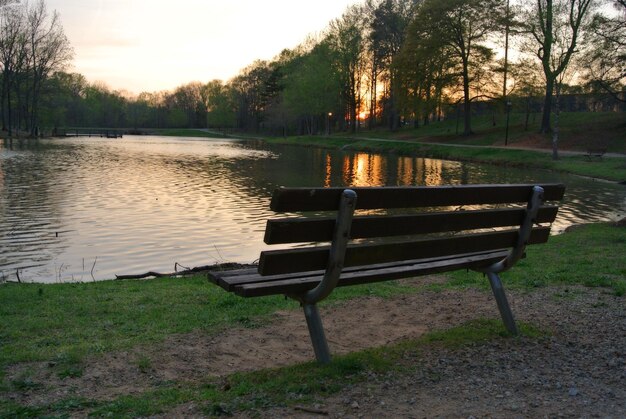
611	168
104	347
579	132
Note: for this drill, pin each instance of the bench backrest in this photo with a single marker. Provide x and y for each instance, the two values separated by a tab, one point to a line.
410	230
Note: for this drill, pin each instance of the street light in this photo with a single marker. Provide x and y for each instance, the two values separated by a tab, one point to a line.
328	123
508	114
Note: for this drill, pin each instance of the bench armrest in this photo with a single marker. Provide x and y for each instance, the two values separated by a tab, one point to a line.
535	202
336	258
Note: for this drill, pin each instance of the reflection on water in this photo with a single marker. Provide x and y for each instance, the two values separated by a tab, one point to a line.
83	209
364	169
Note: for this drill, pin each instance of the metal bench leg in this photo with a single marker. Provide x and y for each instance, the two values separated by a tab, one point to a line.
316	330
503	304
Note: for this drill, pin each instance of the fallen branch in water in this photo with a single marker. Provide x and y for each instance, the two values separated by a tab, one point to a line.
188	271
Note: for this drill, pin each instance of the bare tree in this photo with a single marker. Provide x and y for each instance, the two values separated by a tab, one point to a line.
605	58
555	27
50	51
12	51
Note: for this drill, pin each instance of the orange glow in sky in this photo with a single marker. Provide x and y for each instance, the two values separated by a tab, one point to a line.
152	45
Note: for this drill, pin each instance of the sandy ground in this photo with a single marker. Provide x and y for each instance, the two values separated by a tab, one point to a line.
579	371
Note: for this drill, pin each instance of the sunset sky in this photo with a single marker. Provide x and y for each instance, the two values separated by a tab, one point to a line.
150	45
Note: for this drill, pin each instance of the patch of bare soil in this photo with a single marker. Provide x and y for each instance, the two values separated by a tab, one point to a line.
580	370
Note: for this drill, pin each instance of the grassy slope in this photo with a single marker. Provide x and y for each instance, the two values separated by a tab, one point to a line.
578	132
65	322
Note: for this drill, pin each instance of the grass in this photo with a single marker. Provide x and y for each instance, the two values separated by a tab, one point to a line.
592	255
577	131
63	323
288	386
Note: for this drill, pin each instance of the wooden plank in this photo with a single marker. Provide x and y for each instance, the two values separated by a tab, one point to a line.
315	258
231	281
295	286
214	276
327	199
298	230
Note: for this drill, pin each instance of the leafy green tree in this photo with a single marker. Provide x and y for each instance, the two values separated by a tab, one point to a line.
252	94
105	108
312	87
62	101
388	24
346	39
220	106
426	67
189	99
464	26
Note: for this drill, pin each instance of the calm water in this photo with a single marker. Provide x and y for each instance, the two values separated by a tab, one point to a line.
84	209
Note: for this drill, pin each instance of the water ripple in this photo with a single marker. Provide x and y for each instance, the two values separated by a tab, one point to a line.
83	209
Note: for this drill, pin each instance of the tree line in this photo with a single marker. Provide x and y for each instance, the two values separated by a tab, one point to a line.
383	63
33	47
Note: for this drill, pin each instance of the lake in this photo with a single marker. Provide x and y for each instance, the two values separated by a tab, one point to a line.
84	209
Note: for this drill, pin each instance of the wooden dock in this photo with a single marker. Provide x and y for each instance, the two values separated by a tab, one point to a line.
84	132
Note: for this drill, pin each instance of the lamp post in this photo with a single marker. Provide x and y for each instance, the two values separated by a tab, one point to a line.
328	123
508	114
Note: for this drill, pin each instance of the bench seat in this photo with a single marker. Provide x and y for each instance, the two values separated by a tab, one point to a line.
249	283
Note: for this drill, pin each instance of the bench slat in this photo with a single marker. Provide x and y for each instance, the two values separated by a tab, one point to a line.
242	277
297	230
315	258
214	275
297	285
327	199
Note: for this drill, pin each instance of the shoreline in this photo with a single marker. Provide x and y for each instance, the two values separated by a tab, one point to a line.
570	161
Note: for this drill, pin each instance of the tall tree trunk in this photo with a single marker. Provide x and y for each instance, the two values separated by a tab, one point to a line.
506	56
467	104
555	132
4	99
547	107
373	86
427	108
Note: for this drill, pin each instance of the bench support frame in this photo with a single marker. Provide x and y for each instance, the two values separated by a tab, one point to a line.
341	237
534	203
503	303
316	331
493	239
337	255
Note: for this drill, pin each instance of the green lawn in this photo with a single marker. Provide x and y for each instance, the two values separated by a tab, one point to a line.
64	323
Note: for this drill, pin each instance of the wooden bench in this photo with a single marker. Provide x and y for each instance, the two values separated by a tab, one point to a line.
595	152
396	232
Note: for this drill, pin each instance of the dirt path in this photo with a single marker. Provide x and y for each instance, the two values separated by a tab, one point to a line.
531	143
579	371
